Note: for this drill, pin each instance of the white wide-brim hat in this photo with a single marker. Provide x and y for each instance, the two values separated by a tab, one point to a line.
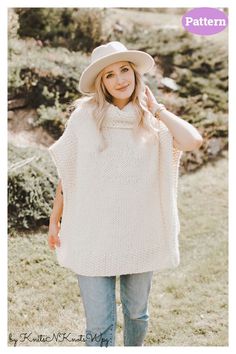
108	54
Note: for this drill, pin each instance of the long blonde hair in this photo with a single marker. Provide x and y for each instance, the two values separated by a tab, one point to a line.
101	96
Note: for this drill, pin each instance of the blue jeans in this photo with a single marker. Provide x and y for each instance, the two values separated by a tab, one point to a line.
99	300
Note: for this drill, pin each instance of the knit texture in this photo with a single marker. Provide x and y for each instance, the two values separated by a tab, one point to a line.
120	211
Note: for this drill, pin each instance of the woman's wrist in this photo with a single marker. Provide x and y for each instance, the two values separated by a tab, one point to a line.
158	107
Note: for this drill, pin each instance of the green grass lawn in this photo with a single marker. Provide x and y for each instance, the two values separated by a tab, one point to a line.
188	306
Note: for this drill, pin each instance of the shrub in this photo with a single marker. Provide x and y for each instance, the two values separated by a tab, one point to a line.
52	119
41	74
40	23
31	188
88	32
75	29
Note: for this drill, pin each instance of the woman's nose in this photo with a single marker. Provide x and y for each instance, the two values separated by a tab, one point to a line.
119	79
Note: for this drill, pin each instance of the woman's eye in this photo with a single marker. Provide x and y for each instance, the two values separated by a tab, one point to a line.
111	75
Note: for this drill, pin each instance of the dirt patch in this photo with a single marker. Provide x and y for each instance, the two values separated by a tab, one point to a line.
21	131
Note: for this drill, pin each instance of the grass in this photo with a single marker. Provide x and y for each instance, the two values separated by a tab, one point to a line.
188	306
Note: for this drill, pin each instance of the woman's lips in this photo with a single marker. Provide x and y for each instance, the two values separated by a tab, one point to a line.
123	88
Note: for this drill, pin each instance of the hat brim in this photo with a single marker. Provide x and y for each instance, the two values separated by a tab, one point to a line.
143	62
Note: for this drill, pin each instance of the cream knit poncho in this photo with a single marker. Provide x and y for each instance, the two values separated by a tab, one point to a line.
120	205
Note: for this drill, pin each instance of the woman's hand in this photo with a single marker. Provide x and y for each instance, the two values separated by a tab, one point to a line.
53	238
151	100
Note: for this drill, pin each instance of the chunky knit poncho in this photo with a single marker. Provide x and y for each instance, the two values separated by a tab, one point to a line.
120	205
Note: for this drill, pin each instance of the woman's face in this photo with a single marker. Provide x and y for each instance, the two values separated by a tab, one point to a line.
119	81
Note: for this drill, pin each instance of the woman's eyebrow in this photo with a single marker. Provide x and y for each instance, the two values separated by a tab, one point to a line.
108	72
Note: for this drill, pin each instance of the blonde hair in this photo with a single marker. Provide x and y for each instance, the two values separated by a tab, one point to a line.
102	96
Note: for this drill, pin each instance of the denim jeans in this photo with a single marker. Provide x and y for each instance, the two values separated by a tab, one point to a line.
98	295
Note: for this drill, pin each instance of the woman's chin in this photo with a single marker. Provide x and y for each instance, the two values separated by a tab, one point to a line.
123	95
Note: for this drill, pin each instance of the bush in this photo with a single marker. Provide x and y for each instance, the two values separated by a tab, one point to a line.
40	74
39	23
31	188
88	32
52	119
75	29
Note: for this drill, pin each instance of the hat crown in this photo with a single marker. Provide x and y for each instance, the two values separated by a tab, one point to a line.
107	49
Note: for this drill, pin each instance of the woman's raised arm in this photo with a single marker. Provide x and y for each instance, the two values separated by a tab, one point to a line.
185	136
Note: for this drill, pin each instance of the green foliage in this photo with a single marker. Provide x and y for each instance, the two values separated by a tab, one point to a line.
31	190
39	23
43	74
75	29
88	32
13	23
52	119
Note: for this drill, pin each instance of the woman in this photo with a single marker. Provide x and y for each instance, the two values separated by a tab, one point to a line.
118	167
